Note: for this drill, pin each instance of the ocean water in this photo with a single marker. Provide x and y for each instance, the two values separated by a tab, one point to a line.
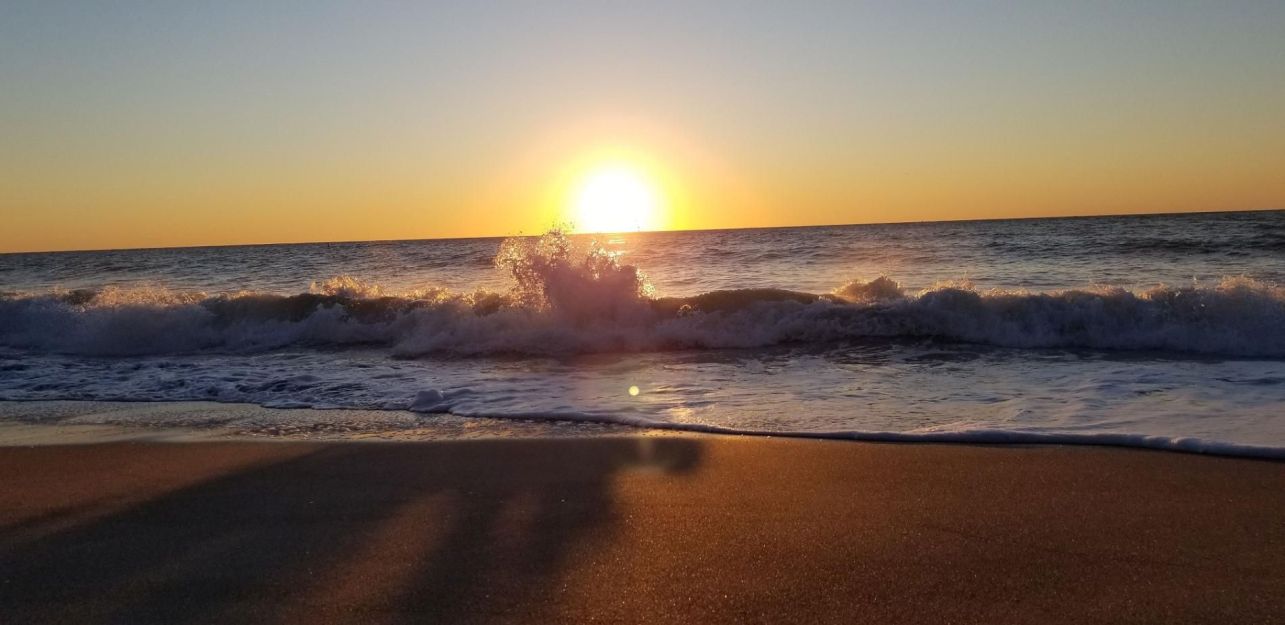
1160	331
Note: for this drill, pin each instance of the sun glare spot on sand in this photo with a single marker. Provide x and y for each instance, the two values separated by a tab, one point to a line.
616	198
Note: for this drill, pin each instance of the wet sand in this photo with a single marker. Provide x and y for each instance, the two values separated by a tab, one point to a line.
698	529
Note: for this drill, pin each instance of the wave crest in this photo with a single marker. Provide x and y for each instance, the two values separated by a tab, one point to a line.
879	289
569	299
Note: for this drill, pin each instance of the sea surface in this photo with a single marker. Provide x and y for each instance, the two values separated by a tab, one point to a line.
1163	331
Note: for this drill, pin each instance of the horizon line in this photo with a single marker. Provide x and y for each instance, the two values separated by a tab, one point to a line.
676	230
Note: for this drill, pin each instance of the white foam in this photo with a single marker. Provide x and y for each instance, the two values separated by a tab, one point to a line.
586	310
563	300
568	299
969	436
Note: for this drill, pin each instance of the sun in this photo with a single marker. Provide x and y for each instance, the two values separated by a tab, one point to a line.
615	198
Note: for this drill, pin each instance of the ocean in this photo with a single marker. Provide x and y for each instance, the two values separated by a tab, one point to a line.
1162	331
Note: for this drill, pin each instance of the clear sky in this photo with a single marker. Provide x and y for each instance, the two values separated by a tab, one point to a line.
170	123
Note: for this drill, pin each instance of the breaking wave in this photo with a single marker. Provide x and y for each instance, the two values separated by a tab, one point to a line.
578	298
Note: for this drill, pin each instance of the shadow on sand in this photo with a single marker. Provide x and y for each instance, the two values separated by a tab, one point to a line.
434	533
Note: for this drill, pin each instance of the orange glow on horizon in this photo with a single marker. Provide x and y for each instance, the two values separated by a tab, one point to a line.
441	120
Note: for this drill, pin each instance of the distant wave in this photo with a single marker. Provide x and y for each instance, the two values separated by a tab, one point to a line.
1268	242
571	298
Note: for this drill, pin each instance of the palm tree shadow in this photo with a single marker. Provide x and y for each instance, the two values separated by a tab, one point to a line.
444	532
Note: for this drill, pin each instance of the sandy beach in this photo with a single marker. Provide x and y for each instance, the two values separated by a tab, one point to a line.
636	529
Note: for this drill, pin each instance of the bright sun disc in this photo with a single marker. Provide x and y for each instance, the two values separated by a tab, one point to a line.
615	199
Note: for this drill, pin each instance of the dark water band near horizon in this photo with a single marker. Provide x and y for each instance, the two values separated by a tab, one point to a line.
1162	331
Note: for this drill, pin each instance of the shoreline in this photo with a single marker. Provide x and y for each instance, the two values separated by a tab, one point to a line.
54	422
637	529
86	422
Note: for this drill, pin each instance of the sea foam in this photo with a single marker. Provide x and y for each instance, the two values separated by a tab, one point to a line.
568	299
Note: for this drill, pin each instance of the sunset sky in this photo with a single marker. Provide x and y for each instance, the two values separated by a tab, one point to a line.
165	124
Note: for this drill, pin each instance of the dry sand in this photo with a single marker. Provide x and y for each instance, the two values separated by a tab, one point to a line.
633	529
